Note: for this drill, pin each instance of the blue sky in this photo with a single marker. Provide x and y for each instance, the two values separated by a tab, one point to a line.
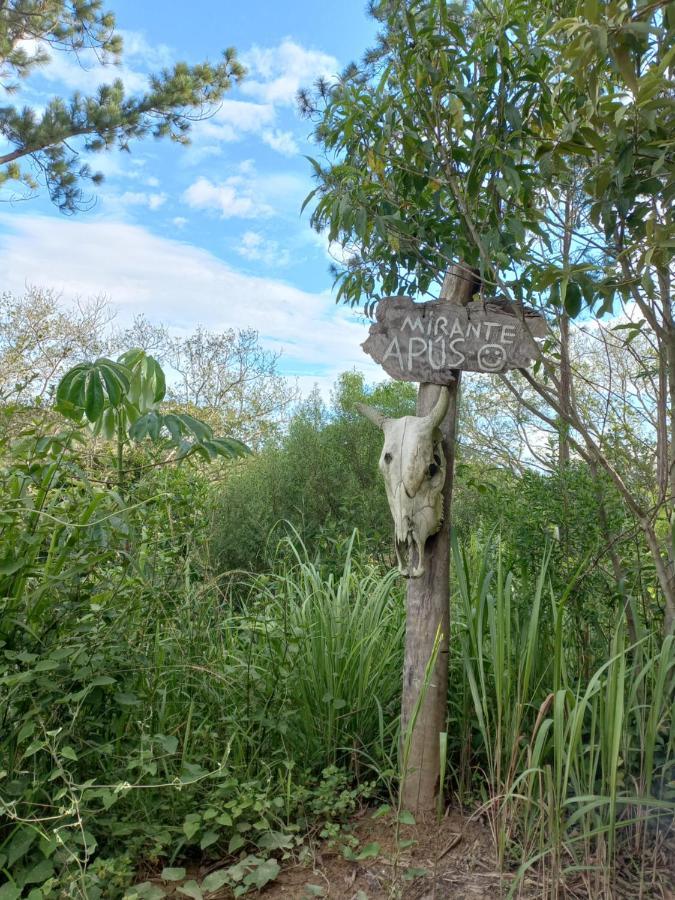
211	234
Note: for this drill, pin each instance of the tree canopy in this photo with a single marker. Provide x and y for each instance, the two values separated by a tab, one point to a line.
458	135
46	145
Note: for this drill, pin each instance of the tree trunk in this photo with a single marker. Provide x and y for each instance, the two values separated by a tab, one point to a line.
617	567
564	392
428	612
669	403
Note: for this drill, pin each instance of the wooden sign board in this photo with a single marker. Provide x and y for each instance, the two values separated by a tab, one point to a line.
425	342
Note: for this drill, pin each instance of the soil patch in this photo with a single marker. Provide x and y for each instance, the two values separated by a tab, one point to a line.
453	858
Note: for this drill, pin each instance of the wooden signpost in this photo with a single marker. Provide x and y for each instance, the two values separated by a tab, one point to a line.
432	343
429	342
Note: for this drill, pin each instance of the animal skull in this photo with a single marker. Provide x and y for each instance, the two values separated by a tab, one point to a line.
413	466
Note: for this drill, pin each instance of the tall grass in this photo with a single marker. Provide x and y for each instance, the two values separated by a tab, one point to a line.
573	768
328	649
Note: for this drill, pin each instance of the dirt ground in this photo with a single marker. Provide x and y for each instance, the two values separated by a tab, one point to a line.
452	859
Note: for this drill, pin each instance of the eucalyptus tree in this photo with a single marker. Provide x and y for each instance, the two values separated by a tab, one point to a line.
529	142
44	145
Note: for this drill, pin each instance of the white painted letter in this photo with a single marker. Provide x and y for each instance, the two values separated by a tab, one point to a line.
456	364
412	354
415	325
441	364
393	350
473	327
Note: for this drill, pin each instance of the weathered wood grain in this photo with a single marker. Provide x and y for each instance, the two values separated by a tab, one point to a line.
427	342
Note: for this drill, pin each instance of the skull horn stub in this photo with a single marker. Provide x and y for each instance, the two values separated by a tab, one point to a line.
375	416
437	414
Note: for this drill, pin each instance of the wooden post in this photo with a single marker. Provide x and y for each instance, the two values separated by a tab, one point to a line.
428	608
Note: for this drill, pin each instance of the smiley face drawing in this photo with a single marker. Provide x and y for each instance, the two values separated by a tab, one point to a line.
491	358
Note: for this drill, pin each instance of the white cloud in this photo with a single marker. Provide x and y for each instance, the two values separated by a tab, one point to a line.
255	247
231	198
282	70
233	120
180	221
140	198
281	141
247	194
87	69
137	47
180	285
275	75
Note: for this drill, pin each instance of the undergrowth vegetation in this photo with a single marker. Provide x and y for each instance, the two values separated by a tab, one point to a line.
158	709
154	711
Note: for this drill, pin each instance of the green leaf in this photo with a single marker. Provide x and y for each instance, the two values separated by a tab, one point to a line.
200	430
406	818
157	379
169	874
20	844
370	851
71	388
626	66
168	743
102	681
148	425
412	873
39	872
115	378
573	299
173	425
275	840
263	874
383	810
214	881
32	749
208	838
9	892
108	423
126	698
236	843
146	891
192	824
93	396
190	889
131	358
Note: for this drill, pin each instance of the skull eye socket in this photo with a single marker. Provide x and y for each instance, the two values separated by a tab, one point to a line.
434	466
387	458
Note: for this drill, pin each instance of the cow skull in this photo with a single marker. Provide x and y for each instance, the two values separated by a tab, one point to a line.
413	466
